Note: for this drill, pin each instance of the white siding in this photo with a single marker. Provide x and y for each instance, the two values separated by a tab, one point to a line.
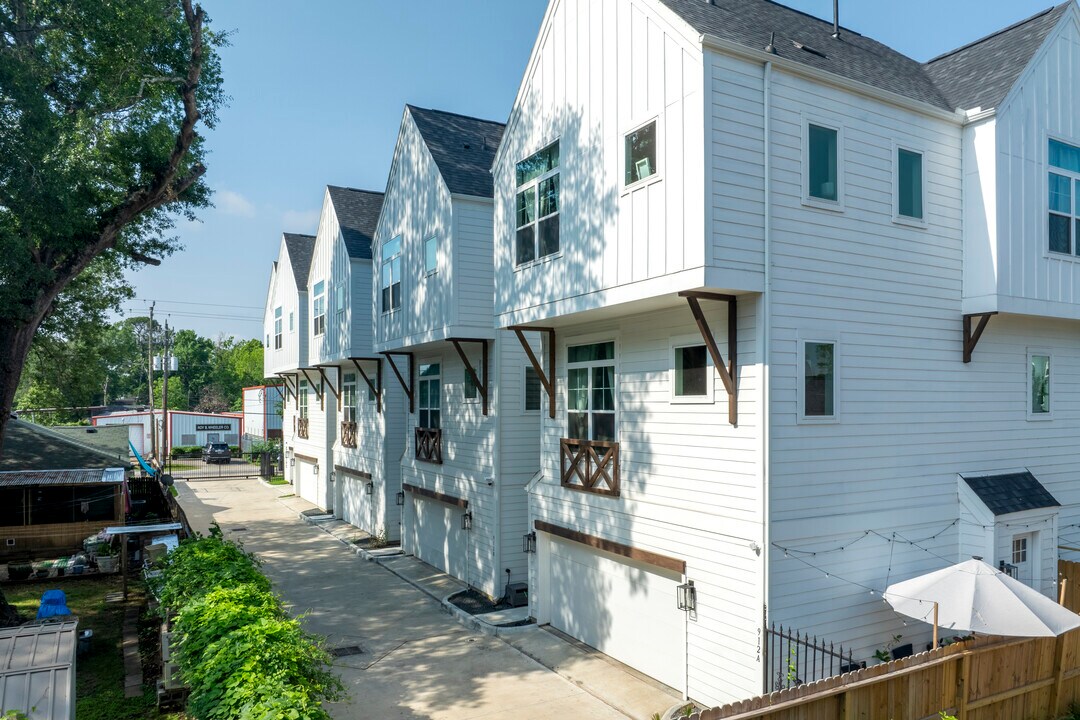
472	279
283	293
330	264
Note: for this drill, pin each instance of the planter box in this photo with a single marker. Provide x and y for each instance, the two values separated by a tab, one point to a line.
107	563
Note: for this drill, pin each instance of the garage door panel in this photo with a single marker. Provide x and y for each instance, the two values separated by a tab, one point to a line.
623	608
437	536
306	487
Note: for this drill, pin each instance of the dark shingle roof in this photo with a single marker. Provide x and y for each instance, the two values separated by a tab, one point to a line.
357	213
463	148
1011	492
300	249
982	73
751	23
30	447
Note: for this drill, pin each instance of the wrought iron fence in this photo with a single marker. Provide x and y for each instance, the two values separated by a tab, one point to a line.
793	658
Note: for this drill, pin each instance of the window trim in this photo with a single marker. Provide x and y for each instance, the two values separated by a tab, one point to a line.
535	183
316	331
801	417
564	380
278	327
816	202
1034	416
465	378
428	272
350	387
657	176
674	345
441	377
340	298
401	284
897	217
1074	250
524	379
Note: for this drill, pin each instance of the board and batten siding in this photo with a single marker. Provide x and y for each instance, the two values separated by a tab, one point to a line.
1045	104
691	485
330	264
283	293
599	70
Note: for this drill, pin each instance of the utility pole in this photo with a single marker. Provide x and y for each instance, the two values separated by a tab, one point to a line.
150	379
165	394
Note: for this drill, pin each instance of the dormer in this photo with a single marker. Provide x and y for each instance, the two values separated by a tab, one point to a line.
284	317
433	245
339	279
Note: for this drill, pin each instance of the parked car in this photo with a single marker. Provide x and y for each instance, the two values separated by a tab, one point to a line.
216	452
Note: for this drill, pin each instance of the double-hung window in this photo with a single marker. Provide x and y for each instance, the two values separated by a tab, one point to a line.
319	309
1064	196
909	185
391	274
277	328
348	398
818	389
822	157
430	390
590	403
537	205
302	403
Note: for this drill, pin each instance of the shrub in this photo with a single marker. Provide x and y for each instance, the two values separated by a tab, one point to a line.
199	566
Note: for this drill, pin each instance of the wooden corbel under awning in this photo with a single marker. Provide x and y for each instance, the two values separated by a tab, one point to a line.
546	379
971	339
481	380
727	373
407	386
376	387
330	383
317	387
289	389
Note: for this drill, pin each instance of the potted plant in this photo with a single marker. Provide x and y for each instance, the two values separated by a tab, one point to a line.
106	558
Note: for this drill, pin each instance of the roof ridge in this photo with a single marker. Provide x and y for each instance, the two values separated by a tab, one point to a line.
359	190
454	114
44	430
996	33
293	234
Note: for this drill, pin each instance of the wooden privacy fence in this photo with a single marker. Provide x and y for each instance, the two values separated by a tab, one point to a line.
985	678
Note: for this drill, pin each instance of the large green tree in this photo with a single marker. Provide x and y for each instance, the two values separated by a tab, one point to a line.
99	150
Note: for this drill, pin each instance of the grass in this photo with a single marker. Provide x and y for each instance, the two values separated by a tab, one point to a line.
278	480
100	673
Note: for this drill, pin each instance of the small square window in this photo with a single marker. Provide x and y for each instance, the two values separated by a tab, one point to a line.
691	372
641	153
909	181
819	378
822	156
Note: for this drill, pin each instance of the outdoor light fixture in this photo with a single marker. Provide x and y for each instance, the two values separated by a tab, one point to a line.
528	542
316	468
400	497
466	521
370	487
687	596
292	462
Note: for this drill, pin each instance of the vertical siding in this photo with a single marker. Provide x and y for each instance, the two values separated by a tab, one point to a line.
331	265
283	293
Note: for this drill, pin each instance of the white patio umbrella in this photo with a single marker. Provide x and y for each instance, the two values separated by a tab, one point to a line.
976	597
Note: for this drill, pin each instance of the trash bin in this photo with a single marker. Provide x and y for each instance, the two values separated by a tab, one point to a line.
83	646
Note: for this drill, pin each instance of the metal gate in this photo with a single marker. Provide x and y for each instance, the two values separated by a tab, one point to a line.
247	465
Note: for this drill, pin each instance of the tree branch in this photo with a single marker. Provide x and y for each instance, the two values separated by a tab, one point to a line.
145	259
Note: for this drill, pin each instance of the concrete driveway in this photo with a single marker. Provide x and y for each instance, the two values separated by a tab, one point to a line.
415	661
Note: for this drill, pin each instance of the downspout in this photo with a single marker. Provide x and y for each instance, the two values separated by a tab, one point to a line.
766	314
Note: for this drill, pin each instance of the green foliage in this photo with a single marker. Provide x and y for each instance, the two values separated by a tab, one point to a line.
238	651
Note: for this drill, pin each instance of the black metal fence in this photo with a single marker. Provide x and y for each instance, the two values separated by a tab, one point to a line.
247	465
793	658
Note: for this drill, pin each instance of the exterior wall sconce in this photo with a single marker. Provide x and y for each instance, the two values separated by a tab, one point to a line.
400	497
528	542
292	462
466	521
370	488
316	468
687	597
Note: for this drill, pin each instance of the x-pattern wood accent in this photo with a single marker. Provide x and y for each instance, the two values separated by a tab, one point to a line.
481	381
317	387
302	427
348	434
376	387
409	386
327	382
429	445
971	339
546	378
588	463
727	373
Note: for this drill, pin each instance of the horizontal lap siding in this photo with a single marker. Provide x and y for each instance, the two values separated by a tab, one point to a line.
691	484
473	278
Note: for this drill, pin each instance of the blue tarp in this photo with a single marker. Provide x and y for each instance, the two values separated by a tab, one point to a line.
53	603
149	470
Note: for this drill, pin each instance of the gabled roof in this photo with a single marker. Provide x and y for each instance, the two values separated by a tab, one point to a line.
1011	492
751	23
357	213
982	73
300	249
31	447
463	148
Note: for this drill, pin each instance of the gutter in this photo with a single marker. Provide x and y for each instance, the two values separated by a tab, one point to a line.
766	313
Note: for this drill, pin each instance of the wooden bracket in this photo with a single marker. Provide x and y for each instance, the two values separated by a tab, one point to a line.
546	379
481	382
971	339
288	388
316	387
330	383
728	373
409	386
376	388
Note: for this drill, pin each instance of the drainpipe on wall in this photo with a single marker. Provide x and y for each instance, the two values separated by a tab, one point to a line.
766	313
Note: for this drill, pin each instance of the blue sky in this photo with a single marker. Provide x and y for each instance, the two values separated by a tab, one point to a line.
318	89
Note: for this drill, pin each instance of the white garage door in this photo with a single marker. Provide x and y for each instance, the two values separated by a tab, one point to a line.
355	505
307	485
621	607
436	535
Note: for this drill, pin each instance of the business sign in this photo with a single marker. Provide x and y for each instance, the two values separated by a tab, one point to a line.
216	426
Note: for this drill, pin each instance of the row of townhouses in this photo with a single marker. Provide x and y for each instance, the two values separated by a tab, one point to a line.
740	317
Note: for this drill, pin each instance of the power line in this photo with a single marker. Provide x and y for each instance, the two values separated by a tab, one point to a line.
189	302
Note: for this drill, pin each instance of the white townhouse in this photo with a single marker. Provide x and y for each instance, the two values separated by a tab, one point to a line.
760	252
472	429
356	416
285	321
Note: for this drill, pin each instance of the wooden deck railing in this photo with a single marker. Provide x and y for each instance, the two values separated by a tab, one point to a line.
302	427
590	465
348	434
429	445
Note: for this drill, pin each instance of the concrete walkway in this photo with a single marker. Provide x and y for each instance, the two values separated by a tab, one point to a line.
415	661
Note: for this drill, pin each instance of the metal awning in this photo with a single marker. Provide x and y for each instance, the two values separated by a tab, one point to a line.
135	529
